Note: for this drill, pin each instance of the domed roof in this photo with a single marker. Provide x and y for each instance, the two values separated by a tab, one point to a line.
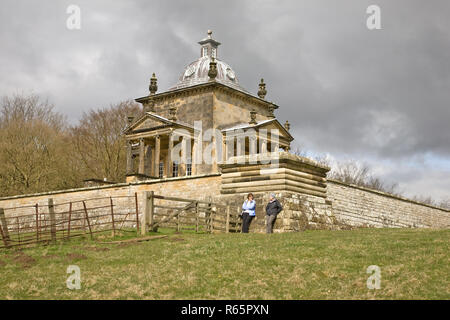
197	72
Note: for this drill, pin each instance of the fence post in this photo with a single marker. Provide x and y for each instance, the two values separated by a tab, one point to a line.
178	221
137	212
4	228
210	218
37	222
147	218
112	217
87	219
51	211
151	202
70	220
227	227
196	216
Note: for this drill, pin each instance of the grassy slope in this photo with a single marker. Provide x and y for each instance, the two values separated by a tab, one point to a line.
308	265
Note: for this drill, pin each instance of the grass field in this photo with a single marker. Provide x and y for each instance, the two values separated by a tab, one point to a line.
307	265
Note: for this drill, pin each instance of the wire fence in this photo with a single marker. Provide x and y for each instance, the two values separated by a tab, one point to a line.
26	225
38	223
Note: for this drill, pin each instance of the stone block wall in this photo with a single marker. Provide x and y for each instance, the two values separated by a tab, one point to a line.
361	207
198	188
345	206
300	212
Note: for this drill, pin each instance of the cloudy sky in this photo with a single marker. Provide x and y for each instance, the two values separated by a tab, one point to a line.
379	96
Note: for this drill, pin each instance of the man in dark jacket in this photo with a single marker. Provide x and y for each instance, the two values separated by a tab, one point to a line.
272	209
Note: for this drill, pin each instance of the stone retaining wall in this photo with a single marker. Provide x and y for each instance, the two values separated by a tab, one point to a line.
362	207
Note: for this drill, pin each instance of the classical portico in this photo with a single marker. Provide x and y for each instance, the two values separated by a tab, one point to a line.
151	144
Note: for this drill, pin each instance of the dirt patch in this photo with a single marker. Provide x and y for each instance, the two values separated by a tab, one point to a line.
97	249
175	239
127	244
76	256
2	263
50	256
24	260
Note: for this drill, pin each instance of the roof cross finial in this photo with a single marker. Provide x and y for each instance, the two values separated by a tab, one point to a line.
153	84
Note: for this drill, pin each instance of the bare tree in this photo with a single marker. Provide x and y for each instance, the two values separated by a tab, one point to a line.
445	203
99	143
357	173
33	145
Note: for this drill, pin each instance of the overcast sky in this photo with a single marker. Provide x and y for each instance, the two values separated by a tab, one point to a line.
379	96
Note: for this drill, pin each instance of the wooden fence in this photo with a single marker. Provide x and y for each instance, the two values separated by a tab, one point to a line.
25	225
187	214
32	224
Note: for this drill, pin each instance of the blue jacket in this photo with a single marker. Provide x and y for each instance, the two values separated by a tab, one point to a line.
249	206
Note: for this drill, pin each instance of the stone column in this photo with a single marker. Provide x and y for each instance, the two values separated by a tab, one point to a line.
195	157
224	150
252	149
152	166
157	154
141	156
129	158
169	157
148	160
182	164
229	147
263	146
240	145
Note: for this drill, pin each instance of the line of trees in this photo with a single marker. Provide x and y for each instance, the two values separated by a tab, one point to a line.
40	151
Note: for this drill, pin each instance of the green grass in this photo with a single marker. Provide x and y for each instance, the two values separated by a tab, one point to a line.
307	265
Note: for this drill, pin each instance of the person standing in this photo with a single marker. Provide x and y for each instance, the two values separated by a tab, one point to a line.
248	212
273	208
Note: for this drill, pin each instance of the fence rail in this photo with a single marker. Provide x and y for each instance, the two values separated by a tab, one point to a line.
32	224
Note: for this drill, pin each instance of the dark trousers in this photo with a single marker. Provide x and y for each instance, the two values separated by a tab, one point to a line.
270	222
246	220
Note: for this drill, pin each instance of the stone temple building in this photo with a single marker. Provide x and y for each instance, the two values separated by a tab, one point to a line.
208	92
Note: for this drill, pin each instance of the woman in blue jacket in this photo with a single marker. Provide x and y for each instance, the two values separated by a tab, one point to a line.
248	212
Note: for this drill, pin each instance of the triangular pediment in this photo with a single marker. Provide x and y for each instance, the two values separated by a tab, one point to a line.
148	121
265	124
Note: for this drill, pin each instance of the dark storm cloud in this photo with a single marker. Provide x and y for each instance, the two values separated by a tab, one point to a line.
374	95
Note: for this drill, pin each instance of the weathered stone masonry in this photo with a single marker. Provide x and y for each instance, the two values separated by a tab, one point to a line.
344	205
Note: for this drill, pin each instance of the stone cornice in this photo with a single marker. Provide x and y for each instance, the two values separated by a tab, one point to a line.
202	88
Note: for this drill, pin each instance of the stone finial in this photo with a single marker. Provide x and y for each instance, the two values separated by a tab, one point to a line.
271	109
287	125
253	117
130	119
209	34
173	113
262	89
212	73
153	86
